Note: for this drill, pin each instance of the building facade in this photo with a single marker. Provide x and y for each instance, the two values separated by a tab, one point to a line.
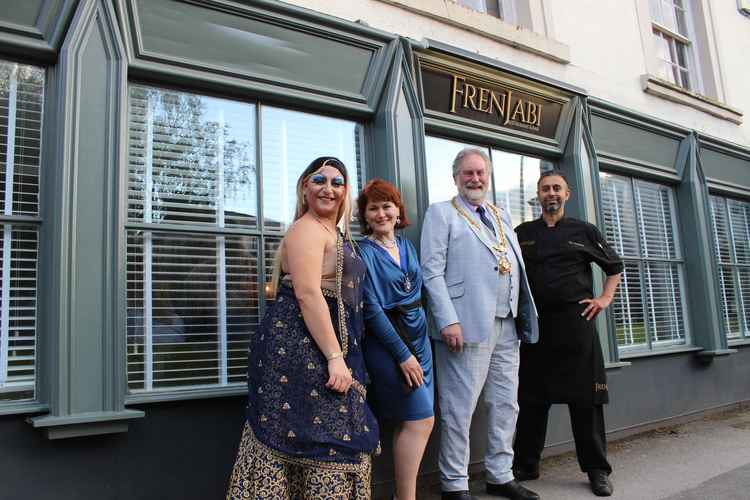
148	155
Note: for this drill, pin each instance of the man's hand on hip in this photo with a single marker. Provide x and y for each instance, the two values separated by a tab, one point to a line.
453	337
595	306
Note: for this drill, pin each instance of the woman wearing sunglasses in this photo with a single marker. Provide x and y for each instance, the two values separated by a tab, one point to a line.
309	433
397	350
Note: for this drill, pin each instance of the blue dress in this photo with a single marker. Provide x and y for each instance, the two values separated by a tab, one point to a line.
388	286
301	440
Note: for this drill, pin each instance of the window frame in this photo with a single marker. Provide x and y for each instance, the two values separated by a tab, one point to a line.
10	222
734	267
650	346
266	236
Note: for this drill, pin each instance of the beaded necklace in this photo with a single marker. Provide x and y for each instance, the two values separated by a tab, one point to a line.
501	246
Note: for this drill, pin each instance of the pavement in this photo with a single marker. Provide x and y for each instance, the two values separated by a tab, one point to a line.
705	459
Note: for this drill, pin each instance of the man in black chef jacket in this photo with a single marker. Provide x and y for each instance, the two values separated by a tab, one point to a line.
566	365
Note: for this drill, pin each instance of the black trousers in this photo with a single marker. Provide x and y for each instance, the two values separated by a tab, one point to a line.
588	432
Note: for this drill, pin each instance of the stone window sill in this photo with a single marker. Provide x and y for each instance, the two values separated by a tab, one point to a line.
666	90
486	25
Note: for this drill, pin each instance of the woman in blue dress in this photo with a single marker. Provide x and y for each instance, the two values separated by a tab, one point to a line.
396	348
309	433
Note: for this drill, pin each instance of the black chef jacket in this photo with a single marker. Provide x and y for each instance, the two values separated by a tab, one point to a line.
566	365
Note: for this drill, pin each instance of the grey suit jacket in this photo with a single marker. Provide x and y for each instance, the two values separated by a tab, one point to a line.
461	277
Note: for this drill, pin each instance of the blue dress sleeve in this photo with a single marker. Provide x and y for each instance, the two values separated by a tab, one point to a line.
378	324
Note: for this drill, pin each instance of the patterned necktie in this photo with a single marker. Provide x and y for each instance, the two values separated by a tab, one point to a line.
483	217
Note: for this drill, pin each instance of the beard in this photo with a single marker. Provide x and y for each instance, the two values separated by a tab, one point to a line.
551	206
474	194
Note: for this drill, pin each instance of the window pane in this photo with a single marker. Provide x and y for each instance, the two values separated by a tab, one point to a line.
21	101
630	323
515	178
291	140
619	214
655	10
664	302
192	159
655	220
740	230
680	18
729	312
18	298
439	155
21	104
192	301
744	302
721	230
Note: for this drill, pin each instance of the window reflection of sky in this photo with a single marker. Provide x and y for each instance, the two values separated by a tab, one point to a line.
291	140
238	120
514	177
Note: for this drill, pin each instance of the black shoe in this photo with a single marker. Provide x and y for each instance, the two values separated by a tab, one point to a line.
600	483
511	490
526	473
457	495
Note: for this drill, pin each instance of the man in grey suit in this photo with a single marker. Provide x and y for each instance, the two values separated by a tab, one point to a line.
482	305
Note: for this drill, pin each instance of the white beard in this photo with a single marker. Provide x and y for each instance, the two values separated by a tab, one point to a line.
475	195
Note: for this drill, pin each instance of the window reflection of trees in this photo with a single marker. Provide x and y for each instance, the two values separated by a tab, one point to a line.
198	161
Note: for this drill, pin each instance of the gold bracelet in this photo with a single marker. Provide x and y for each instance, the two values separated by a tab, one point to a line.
334	355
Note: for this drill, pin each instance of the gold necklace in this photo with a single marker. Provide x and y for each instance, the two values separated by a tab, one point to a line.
504	265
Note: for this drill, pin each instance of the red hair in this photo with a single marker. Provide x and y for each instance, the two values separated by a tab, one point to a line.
379	190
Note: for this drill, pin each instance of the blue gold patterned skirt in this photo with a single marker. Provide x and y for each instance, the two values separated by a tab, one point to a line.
301	440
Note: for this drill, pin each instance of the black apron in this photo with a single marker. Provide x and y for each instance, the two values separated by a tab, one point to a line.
566	365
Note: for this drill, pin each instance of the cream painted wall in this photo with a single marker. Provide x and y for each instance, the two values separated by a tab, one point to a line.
607	53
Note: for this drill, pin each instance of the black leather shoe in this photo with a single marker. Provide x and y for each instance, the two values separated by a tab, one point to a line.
525	473
457	495
600	483
511	490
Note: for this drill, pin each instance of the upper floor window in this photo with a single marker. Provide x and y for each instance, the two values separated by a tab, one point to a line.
21	103
640	224
503	9
674	40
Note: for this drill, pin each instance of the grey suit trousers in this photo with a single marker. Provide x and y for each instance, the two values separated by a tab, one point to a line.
492	367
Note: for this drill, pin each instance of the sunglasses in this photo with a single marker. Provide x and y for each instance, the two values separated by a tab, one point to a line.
320	180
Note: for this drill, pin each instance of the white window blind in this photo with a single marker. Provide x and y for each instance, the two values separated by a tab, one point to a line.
731	222
195	247
192	290
21	104
649	307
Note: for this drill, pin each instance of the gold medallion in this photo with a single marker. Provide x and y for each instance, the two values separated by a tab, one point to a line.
504	265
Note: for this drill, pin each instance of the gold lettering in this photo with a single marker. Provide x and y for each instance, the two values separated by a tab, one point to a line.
500	104
539	115
531	113
455	92
507	115
471	93
518	110
484	100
